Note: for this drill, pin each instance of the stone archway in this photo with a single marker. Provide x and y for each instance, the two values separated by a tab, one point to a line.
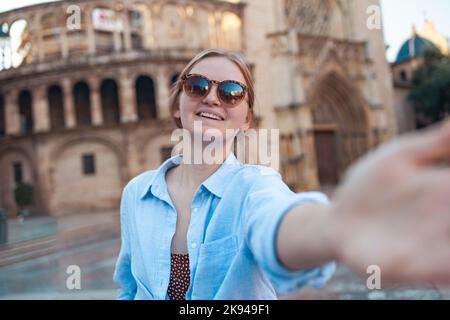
86	174
340	127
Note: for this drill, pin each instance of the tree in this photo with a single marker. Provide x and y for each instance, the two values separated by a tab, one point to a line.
430	93
24	198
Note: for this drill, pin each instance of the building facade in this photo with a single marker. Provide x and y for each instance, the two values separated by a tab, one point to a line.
409	58
86	109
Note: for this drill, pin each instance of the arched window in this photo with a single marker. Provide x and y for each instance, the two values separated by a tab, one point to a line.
110	102
51	25
231	31
26	112
105	23
145	98
56	107
2	116
403	75
82	103
136	22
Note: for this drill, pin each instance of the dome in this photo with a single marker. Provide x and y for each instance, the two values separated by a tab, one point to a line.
413	47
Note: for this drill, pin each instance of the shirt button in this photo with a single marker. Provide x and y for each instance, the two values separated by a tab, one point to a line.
195	209
194	245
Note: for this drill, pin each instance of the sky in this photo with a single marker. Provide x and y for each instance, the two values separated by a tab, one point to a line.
398	18
400	15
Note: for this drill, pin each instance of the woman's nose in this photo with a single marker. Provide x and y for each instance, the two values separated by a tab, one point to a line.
211	98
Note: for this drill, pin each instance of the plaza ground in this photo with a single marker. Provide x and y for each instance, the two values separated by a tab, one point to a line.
34	262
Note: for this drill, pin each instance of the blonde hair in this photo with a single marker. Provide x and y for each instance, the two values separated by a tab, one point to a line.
236	58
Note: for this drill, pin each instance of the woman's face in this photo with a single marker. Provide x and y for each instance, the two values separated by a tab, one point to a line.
238	117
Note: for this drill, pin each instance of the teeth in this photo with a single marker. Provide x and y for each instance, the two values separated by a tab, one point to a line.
209	115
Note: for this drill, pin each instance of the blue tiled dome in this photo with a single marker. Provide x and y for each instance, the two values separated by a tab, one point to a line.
413	47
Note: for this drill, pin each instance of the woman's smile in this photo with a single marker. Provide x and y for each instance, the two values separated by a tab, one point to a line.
209	116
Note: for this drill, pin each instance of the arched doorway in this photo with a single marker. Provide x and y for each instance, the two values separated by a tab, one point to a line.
341	128
82	103
56	107
26	112
145	98
110	102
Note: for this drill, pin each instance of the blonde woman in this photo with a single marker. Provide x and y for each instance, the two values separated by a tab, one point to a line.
235	231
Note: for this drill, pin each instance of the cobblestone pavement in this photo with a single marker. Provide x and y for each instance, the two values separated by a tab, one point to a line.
45	277
34	262
345	285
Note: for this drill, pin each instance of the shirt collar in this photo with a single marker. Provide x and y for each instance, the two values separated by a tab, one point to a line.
158	180
215	183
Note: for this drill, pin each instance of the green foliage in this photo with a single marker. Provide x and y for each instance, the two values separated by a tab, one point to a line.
23	194
430	93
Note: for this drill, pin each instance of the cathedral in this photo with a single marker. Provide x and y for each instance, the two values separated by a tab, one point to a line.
84	89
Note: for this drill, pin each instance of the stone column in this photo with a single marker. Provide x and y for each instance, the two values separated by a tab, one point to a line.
147	31
162	94
41	116
126	30
12	112
69	109
90	33
306	131
96	104
218	28
64	42
36	36
127	96
117	41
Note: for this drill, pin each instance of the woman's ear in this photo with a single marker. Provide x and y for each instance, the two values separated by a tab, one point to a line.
176	114
248	120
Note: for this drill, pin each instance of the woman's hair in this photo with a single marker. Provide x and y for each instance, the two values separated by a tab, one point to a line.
234	57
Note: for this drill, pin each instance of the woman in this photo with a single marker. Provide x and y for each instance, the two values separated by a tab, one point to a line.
236	231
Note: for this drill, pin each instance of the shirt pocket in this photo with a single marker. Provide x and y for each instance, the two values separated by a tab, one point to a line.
213	263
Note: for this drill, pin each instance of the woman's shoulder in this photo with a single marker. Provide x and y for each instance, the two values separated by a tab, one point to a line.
251	174
141	181
255	170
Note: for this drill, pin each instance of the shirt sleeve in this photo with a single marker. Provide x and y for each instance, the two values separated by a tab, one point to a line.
268	200
122	274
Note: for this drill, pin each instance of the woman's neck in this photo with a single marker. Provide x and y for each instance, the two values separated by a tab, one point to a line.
193	175
190	175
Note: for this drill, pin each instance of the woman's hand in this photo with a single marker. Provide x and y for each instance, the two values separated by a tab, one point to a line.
393	209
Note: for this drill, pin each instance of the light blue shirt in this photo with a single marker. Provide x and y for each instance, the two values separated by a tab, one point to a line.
235	215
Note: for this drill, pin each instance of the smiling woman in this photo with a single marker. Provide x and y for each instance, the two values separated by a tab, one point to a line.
238	225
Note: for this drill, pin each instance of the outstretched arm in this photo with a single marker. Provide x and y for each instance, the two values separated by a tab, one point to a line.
393	210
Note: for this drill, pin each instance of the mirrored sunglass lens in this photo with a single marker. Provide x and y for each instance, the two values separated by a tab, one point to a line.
196	86
231	92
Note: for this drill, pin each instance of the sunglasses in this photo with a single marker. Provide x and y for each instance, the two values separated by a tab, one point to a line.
229	92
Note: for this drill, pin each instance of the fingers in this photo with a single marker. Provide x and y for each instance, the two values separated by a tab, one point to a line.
427	146
434	266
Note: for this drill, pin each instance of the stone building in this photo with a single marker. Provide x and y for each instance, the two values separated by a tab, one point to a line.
409	58
86	109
